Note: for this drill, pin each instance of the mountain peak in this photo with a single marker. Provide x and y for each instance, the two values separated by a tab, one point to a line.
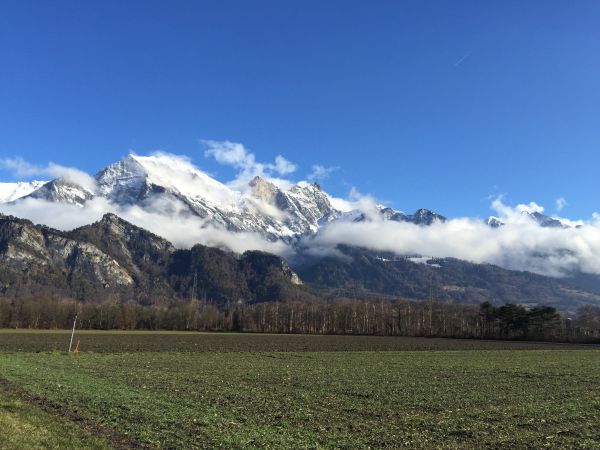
110	218
424	216
256	180
546	221
495	222
267	192
62	190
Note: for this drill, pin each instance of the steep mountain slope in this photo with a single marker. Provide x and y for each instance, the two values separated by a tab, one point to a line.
10	192
62	191
358	271
221	276
38	257
144	255
113	259
136	178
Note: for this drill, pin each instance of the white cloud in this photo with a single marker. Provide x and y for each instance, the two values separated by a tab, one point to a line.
23	169
517	214
230	153
356	202
320	172
519	245
283	166
560	204
236	155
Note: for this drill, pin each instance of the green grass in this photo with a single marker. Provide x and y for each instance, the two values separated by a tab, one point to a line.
415	399
25	426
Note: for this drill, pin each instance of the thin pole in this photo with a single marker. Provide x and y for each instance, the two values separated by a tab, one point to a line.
72	333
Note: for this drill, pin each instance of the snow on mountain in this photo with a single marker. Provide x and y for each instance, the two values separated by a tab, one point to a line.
423	260
12	191
420	217
62	191
167	183
289	213
163	181
173	184
546	221
542	220
137	177
494	222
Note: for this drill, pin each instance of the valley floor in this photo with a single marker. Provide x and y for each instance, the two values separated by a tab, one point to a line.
204	390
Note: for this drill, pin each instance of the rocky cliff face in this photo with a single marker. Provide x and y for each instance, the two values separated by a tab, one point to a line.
29	252
115	257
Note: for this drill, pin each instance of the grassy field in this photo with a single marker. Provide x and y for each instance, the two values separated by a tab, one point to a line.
244	391
26	426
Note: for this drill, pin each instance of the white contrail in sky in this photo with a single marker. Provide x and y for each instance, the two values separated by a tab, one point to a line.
461	60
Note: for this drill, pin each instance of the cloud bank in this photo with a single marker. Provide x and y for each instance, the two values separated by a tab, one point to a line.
521	244
163	216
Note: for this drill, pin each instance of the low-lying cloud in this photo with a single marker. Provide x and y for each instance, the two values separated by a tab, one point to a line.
163	216
520	244
23	169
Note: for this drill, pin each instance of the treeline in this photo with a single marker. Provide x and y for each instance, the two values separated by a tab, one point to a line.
341	316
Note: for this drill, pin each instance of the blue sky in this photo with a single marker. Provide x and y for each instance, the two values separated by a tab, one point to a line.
437	104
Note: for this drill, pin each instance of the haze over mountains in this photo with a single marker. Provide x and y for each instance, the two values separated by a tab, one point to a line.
262	210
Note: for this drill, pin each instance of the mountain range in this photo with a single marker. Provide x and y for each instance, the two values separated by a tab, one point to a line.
113	258
275	212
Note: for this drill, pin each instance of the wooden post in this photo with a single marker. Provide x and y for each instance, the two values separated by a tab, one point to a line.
72	333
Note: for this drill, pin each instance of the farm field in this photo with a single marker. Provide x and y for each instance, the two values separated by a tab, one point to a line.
175	341
245	391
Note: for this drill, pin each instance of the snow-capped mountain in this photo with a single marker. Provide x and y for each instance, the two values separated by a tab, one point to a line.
421	216
547	221
63	191
12	191
537	217
494	222
167	184
163	182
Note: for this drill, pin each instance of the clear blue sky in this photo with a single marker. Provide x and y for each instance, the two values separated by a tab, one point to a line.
435	104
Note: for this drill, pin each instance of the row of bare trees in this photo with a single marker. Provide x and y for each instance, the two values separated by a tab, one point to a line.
342	316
